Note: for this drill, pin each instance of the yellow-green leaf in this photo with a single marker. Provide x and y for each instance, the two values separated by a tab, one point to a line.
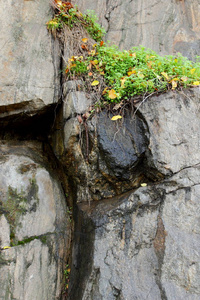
165	75
196	83
131	72
192	71
6	247
143	184
95	82
94	62
115	118
174	84
122	81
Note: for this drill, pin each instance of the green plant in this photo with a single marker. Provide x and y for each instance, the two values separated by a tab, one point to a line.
137	71
67	14
120	75
93	28
66	275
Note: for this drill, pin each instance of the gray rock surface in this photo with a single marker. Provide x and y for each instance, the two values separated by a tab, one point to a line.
29	57
34	225
103	157
173	122
163	26
135	182
145	244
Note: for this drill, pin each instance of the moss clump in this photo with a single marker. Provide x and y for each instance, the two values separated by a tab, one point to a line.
42	238
13	208
18	204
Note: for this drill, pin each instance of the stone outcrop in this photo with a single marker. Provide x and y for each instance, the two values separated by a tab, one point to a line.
35	227
30	59
115	202
144	244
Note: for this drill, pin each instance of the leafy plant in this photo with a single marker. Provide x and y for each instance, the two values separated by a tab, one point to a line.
67	14
121	75
93	28
137	71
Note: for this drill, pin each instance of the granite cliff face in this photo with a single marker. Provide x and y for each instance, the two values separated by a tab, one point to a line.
116	202
164	26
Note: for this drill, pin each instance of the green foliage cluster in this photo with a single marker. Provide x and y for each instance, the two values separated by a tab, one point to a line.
135	72
69	15
139	71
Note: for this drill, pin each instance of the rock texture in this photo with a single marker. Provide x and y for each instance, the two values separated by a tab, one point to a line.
34	225
164	26
29	58
145	244
103	158
133	185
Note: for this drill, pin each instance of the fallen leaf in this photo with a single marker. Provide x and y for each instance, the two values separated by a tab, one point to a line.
196	83
132	54
143	184
115	118
84	47
84	40
123	79
174	84
104	91
94	62
165	75
66	71
90	74
94	83
101	43
6	247
112	94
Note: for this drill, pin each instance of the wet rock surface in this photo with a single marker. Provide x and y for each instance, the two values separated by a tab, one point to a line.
122	144
146	242
104	158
